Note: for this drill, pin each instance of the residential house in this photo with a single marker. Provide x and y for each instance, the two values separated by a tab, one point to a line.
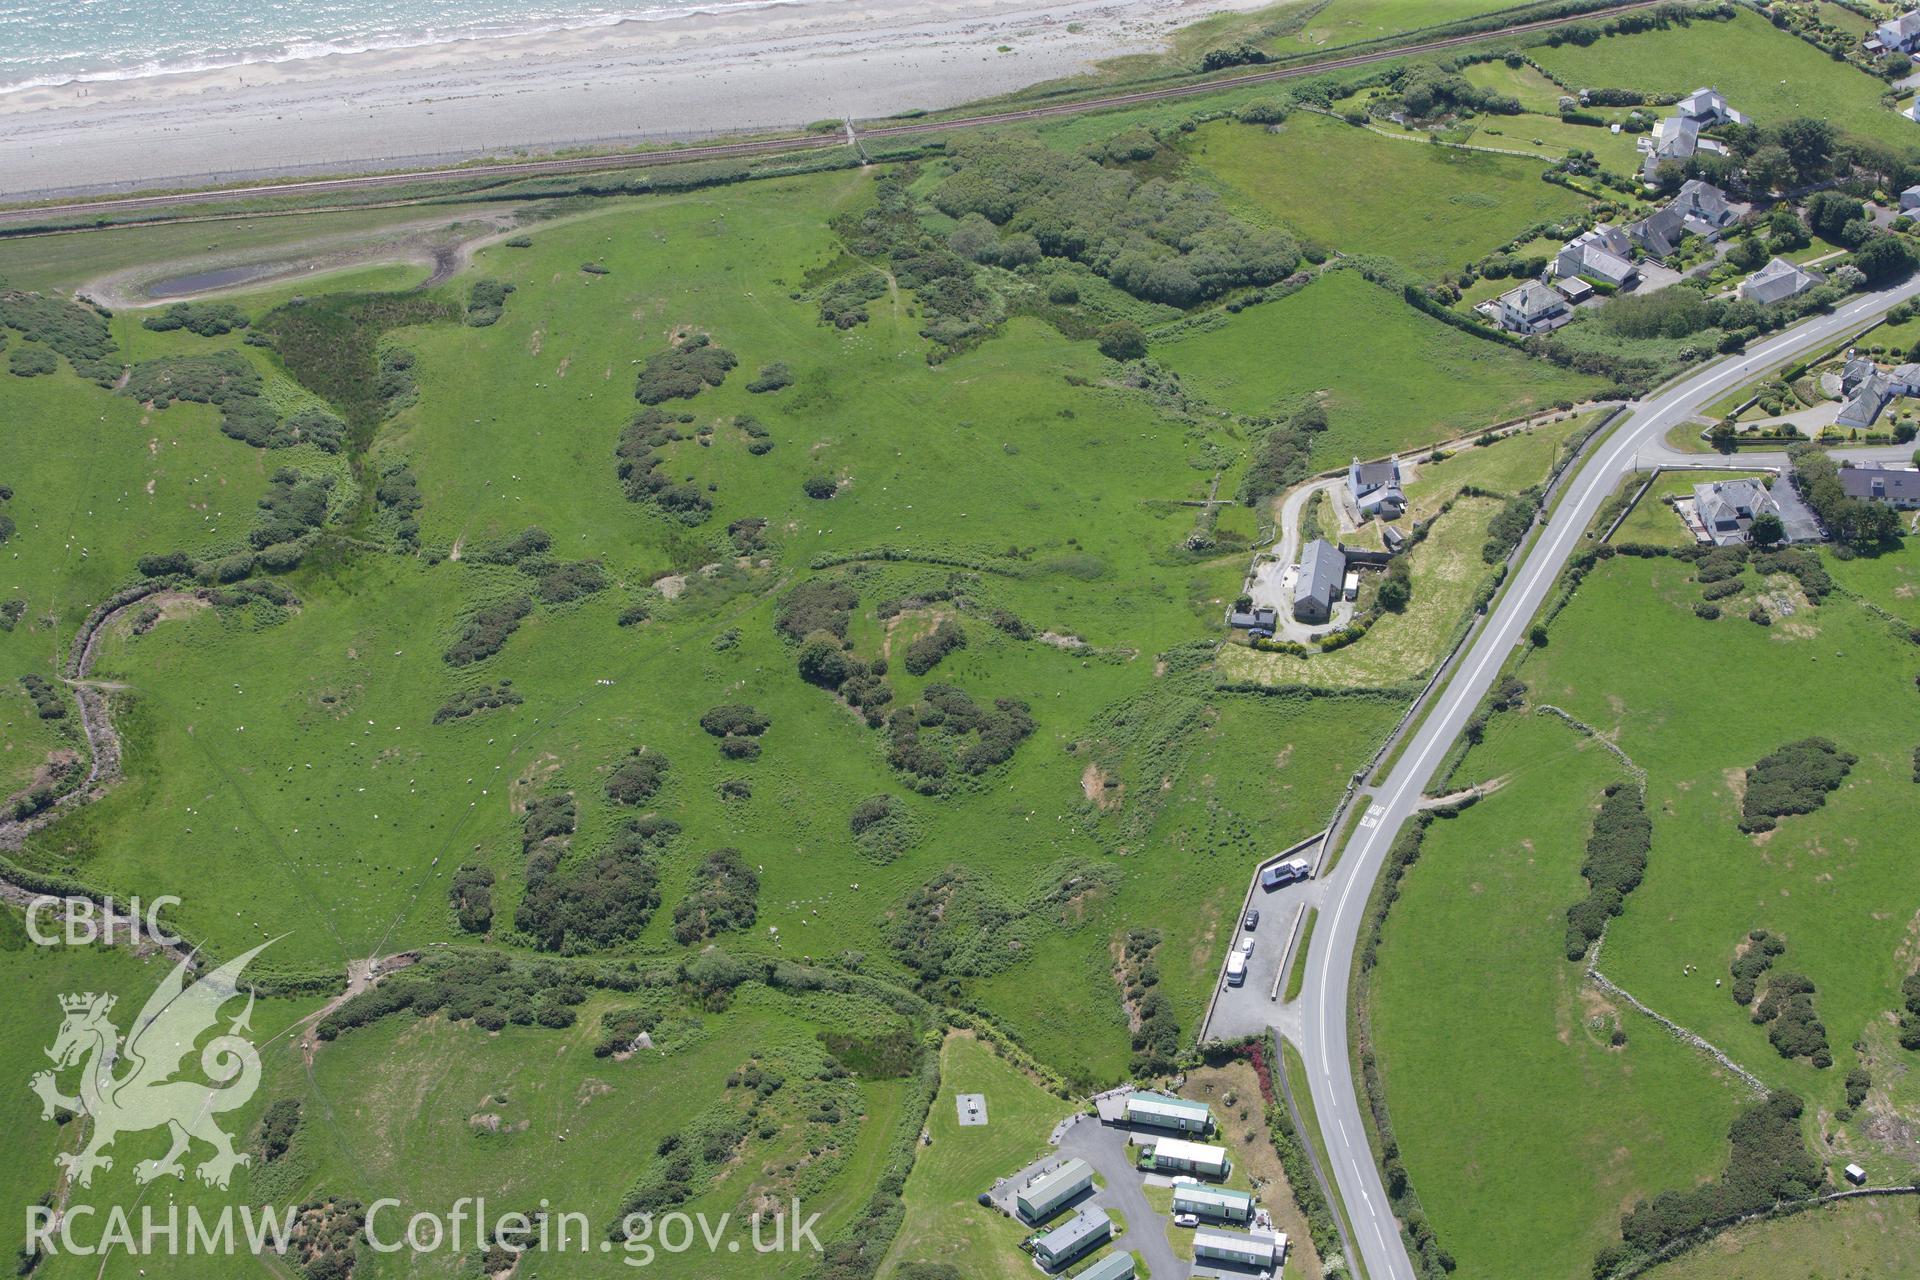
1726	508
1532	308
1603	255
1706	108
1040	1198
1778	281
1675	138
1177	1155
1872	482
1660	232
1163	1111
1265	1250
1864	403
1704	206
1856	370
1375	488
1072	1238
1220	1204
1910	200
1316	582
1899	35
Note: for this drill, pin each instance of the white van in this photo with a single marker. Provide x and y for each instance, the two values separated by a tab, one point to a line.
1237	969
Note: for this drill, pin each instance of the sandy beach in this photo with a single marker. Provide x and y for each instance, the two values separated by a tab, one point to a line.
681	79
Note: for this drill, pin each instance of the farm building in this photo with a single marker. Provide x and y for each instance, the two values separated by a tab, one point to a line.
1162	1111
1316	583
1222	1204
1177	1155
1083	1231
1046	1193
1115	1266
1247	1249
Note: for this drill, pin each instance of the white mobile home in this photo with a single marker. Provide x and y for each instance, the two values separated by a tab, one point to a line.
1115	1266
1221	1204
1177	1155
1083	1231
1163	1111
1249	1250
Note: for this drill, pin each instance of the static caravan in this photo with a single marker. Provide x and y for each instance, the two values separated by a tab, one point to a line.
1085	1230
1038	1200
1249	1250
1161	1111
1220	1204
1177	1155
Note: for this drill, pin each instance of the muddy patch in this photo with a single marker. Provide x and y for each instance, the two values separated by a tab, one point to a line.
1101	787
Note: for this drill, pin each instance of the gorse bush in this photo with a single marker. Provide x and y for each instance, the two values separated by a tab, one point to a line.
638	777
680	372
79	333
1616	861
723	898
1795	779
471	894
208	319
293	506
485	633
32	362
486	301
639	464
1282	455
469	702
598	901
924	654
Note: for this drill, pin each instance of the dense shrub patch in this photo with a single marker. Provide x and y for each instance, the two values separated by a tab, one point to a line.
486	631
1156	1032
680	372
954	310
723	897
639	461
843	304
883	827
277	1128
332	347
1281	458
1797	1031
561	581
818	604
603	900
47	703
398	493
208	319
947	733
472	701
924	654
485	987
1910	1012
486	301
76	332
1762	949
32	362
293	506
772	377
1616	860
637	778
1509	525
1794	779
471	894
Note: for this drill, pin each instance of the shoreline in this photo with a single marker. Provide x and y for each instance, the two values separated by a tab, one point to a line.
685	78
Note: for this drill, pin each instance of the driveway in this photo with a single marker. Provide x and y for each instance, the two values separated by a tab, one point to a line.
1105	1148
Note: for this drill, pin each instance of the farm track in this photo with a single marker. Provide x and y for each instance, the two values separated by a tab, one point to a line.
788	143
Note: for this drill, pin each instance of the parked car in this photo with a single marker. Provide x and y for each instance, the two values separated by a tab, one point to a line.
1244	946
1285	873
1252	919
1186	1219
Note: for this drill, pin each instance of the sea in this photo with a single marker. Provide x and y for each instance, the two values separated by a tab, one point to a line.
62	42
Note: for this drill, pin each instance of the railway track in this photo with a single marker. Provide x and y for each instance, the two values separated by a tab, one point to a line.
787	143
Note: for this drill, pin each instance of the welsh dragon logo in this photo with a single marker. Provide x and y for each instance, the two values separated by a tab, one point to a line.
130	1087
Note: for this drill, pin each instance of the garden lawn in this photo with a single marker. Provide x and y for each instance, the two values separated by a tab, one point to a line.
1391	378
944	1223
1433	209
1769	74
1654	521
1524	1132
1534	91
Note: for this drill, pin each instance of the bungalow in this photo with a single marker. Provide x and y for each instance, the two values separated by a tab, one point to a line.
1375	488
1727	508
1316	582
1900	35
1602	256
1177	1155
1038	1200
1532	308
1856	370
1910	199
1249	1249
1872	482
1163	1111
1077	1235
1706	108
1868	397
1258	622
1221	1204
1778	281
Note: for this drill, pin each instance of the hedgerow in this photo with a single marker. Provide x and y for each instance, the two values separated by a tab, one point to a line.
1616	861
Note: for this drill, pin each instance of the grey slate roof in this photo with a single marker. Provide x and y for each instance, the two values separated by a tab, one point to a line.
1321	568
1880	483
1701	201
1778	281
1727	507
1660	233
1078	1233
1870	396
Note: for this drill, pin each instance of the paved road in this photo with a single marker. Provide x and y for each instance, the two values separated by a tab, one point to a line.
801	142
1324	1000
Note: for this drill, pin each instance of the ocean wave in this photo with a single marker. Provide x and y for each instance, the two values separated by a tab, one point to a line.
309	50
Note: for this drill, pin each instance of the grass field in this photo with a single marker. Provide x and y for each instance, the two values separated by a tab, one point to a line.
1302	175
1770	75
1391	378
1534	91
944	1224
1861	1238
